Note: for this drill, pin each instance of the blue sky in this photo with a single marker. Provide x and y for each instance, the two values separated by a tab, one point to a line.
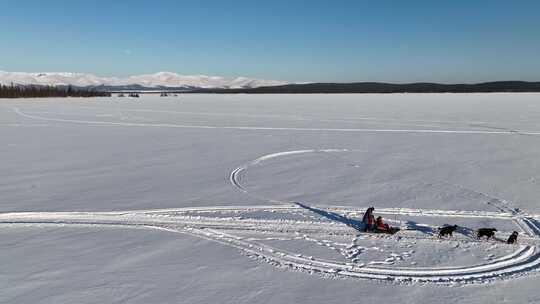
295	40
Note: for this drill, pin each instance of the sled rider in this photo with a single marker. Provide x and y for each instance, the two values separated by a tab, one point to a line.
369	219
380	225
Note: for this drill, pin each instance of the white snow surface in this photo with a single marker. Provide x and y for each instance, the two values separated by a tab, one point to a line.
192	199
160	79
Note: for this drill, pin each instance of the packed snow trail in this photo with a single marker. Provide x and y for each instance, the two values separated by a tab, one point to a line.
260	128
528	225
223	225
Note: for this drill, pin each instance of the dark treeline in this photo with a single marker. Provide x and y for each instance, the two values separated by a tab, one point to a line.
378	87
47	91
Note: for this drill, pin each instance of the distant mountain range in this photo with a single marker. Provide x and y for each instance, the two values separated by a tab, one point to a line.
157	81
167	81
380	87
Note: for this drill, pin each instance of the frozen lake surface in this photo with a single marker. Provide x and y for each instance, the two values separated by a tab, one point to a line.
213	178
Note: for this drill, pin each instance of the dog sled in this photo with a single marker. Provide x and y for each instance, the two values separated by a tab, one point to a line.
373	225
390	230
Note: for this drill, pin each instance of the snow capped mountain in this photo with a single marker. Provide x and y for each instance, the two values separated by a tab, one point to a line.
168	79
157	80
76	79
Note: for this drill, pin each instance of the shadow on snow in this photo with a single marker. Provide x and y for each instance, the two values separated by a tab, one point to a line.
356	224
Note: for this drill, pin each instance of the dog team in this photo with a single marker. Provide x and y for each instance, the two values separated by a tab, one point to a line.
377	225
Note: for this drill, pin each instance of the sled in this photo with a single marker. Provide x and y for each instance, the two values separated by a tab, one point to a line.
391	230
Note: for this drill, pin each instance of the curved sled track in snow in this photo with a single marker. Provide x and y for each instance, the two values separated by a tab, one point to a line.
526	259
218	224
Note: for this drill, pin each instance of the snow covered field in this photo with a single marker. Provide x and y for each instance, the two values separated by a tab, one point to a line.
189	199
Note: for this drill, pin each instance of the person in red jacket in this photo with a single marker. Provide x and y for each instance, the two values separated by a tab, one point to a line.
381	226
369	220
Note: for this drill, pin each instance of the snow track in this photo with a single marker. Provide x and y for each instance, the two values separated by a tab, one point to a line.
223	225
247	227
526	259
260	128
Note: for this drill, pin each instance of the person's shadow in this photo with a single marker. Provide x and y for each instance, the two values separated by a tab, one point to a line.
356	224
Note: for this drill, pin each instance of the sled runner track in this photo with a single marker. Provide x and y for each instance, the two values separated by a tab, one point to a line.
526	223
184	217
524	260
235	178
223	223
219	224
236	174
394	121
260	128
291	207
341	209
533	226
527	258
